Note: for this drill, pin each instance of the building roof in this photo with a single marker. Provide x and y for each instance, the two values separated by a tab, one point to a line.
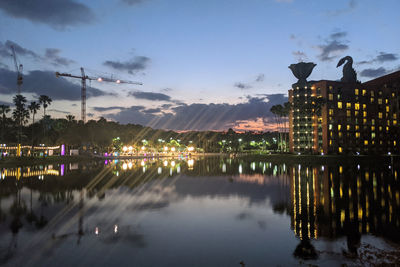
391	78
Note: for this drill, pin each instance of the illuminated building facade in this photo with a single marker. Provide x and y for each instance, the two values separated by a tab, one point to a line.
333	117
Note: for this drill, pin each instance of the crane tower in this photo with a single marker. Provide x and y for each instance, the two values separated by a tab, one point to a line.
83	78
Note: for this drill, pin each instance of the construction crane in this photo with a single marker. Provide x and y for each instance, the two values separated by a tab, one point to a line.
83	78
18	69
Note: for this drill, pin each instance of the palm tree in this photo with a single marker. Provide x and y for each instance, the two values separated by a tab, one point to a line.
33	107
45	101
285	112
70	118
20	113
4	109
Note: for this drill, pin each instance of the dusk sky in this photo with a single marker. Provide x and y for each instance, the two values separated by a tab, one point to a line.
210	64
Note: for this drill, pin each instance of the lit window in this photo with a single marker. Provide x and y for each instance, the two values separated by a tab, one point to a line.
356	91
348	127
380	115
331	112
380	128
387	128
388	122
339	104
365	142
394	143
373	121
357	135
330	126
330	96
364	114
339	127
330	142
372	128
340	134
393	95
348	113
394	122
364	106
364	92
340	149
365	121
380	101
394	116
357	106
372	135
348	105
386	101
372	93
372	100
387	108
356	113
357	127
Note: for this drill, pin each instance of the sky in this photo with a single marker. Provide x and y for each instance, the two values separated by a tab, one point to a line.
204	65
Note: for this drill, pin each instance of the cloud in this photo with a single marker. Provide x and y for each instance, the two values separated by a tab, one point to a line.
45	83
133	66
382	57
333	46
5	50
150	96
166	106
372	73
152	110
299	55
260	77
59	111
52	54
56	13
242	86
351	6
205	116
102	109
132	2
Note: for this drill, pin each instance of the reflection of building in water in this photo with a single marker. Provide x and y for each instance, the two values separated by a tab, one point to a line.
332	202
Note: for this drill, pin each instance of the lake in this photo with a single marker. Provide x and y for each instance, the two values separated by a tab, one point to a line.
211	211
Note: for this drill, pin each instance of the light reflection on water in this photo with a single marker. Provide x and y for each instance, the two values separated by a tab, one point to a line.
194	212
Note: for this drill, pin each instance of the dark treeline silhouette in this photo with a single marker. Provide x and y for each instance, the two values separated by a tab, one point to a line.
99	134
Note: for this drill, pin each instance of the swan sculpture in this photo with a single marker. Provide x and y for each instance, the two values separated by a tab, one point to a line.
349	74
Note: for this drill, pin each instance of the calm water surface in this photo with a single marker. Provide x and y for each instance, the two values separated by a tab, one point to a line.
198	212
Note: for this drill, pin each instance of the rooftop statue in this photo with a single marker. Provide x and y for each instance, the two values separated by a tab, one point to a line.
349	74
301	71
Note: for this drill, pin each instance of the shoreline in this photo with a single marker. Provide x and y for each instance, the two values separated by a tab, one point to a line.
276	158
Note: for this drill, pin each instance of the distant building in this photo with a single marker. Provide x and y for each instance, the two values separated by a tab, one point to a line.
333	117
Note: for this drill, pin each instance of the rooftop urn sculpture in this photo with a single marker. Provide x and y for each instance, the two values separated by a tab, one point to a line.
349	74
301	71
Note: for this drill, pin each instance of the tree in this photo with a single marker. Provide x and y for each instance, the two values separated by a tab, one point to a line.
285	112
4	109
45	101
70	118
20	113
33	107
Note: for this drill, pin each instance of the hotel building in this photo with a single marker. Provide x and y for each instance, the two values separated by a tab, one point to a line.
334	117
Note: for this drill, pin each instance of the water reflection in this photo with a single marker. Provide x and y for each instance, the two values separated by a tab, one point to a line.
63	205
